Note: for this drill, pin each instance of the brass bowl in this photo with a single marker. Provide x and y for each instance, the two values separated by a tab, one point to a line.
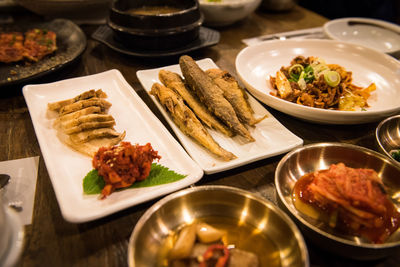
388	135
320	156
203	201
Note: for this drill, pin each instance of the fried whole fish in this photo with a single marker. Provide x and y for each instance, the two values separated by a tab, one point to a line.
174	81
187	120
212	96
234	94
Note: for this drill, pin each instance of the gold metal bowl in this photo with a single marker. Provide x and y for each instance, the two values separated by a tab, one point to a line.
204	201
388	135
320	156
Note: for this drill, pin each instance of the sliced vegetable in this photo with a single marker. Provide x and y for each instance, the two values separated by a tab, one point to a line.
184	244
207	234
295	71
332	78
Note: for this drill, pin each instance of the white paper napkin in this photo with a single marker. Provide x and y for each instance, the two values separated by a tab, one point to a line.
22	184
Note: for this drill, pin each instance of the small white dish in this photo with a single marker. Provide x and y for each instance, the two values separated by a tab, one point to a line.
67	168
373	33
272	138
256	63
226	12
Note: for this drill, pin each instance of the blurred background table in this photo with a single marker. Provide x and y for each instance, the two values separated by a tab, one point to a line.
51	241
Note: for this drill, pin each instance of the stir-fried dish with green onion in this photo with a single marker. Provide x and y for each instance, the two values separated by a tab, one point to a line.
312	82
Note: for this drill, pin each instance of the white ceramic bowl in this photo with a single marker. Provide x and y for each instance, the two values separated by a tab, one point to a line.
226	12
256	63
373	33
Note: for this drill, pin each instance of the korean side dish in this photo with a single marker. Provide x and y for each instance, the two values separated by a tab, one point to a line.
351	201
312	82
121	166
218	241
83	122
32	45
202	99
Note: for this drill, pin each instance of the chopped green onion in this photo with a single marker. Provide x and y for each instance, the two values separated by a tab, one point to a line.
295	71
332	78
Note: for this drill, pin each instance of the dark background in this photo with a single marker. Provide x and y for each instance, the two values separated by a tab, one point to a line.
388	10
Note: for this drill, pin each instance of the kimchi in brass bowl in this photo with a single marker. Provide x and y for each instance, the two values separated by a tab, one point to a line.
321	156
251	222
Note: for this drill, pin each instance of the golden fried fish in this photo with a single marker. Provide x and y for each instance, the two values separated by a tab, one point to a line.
174	81
187	120
212	96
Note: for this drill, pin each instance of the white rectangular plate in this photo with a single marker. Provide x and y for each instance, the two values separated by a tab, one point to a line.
272	138
67	168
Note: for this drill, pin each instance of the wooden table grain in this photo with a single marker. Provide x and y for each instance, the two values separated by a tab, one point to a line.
52	241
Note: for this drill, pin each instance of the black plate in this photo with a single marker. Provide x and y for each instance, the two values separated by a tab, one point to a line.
71	42
207	37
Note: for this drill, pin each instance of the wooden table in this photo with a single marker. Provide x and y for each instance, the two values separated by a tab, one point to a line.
51	241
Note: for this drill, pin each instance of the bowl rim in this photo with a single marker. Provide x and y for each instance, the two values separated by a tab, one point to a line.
377	134
309	225
113	8
143	219
156	32
232	3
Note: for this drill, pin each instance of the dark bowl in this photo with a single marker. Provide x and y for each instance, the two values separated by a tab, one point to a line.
155	31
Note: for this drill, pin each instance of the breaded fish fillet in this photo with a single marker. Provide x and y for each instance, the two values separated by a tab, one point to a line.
91	134
234	94
87	118
211	95
78	113
85	95
174	81
187	121
91	147
94	101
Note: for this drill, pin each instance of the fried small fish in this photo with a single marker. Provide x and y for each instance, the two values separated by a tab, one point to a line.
187	120
212	96
235	95
174	81
85	95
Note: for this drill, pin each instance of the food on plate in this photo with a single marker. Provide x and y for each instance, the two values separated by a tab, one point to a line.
175	82
212	96
11	47
187	121
32	45
83	122
312	82
236	95
351	201
39	43
217	242
121	166
395	154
